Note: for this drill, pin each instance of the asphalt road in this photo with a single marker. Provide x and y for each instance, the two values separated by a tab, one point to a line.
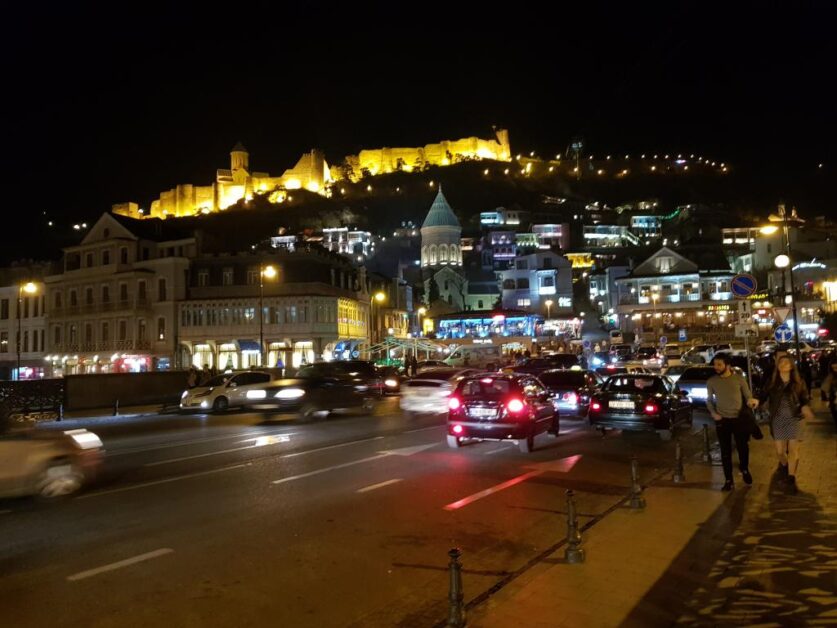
239	520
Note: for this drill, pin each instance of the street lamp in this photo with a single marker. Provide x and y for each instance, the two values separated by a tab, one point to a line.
420	312
548	307
378	297
270	273
783	262
28	288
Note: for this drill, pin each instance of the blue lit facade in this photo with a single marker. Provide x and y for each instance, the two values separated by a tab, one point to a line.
488	325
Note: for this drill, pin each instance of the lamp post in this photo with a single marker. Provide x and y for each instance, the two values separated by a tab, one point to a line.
783	262
548	307
378	297
270	273
28	288
421	312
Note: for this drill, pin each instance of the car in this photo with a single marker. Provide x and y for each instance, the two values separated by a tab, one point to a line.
430	364
616	369
222	392
571	390
485	356
674	372
428	392
672	355
392	377
702	354
616	336
500	406
533	366
693	382
313	395
362	371
599	358
620	352
46	463
640	403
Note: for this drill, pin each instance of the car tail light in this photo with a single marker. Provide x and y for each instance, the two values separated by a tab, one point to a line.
651	408
570	397
454	403
595	405
515	406
457	429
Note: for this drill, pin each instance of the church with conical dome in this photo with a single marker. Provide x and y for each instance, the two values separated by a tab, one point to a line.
441	236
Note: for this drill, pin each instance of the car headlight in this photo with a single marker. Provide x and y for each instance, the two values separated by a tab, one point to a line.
361	388
256	394
391	383
84	439
185	394
290	393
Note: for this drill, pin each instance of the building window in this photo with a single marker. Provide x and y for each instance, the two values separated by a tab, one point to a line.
88	333
141	294
88	296
547	262
57	300
4	309
252	277
105	332
123	255
479	304
4	342
523	283
521	264
524	302
227	277
105	258
203	278
161	290
123	292
664	264
73	335
161	328
56	335
105	294
73	298
26	341
88	260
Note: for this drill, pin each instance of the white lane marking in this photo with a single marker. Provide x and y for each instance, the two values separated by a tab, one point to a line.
118	565
166	481
490	491
199	441
497	451
404	451
279	439
378	485
326	469
311	451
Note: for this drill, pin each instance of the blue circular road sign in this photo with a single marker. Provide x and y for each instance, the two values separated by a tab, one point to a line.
783	333
743	285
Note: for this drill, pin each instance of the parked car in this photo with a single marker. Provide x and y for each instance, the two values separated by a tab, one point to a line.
428	392
222	392
571	390
534	366
672	355
640	403
48	464
313	395
487	357
500	407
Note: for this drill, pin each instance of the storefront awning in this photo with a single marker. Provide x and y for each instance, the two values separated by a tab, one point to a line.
248	345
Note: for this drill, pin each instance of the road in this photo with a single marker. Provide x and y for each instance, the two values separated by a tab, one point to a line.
240	520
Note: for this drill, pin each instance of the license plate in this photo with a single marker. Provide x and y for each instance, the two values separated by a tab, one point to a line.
698	392
482	412
622	404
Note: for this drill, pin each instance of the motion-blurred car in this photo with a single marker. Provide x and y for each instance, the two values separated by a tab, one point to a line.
222	392
500	407
392	377
48	464
430	364
428	392
534	366
640	403
571	390
362	371
313	396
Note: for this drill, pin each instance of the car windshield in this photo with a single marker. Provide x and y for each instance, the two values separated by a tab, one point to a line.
635	385
491	387
562	378
218	380
699	373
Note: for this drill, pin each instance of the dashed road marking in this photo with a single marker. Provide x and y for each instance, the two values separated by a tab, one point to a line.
265	441
366	489
311	451
119	565
166	481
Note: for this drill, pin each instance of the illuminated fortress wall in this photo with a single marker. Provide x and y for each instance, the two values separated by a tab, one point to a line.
311	172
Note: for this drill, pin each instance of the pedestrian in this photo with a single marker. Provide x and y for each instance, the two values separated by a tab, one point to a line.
597	348
413	365
280	364
192	377
726	393
788	402
206	375
828	389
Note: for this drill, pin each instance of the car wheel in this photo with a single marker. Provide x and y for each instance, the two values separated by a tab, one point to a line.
310	412
665	435
527	444
59	479
368	405
221	404
454	442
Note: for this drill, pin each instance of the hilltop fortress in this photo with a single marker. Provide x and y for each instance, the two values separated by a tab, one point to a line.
312	173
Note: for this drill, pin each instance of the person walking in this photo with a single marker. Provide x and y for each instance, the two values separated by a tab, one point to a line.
828	389
726	393
192	377
788	402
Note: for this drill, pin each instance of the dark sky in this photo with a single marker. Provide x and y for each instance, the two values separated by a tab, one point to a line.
106	104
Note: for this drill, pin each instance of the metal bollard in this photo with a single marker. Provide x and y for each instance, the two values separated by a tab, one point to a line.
456	612
60	412
637	500
116	408
707	454
573	553
679	474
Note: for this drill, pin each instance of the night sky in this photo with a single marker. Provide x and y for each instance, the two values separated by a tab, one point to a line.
106	105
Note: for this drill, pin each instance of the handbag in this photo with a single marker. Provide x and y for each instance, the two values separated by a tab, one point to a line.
748	418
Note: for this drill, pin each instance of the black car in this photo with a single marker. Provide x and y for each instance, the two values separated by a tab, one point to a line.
392	378
313	396
640	403
535	366
500	407
362	371
571	390
692	381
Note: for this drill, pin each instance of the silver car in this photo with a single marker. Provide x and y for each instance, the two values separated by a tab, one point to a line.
225	391
428	392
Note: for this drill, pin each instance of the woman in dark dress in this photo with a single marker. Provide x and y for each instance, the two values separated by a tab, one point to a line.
788	402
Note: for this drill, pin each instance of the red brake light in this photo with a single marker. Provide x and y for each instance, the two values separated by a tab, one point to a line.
651	408
595	405
515	405
486	380
457	429
454	403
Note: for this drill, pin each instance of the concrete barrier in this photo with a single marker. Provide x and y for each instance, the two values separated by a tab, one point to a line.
104	390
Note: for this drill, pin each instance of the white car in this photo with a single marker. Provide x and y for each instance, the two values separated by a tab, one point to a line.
428	392
224	391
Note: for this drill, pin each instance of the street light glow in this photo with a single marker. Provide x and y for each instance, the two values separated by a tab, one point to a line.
768	230
782	261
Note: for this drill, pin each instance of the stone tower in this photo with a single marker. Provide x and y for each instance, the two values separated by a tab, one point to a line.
441	236
239	159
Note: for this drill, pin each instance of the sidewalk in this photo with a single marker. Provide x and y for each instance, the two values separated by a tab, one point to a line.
696	556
